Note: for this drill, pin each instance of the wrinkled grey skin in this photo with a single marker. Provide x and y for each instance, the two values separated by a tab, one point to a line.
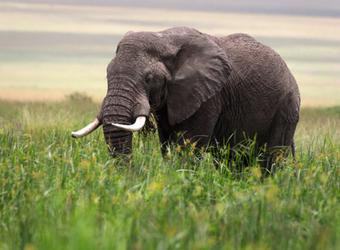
205	86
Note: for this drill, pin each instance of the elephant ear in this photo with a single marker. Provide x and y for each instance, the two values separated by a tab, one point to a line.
199	71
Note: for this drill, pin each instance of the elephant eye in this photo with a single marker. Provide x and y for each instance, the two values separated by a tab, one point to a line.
149	79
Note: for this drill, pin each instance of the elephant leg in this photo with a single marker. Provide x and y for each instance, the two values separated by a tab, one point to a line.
293	149
163	139
280	144
198	128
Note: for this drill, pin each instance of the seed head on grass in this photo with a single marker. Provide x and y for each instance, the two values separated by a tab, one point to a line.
178	149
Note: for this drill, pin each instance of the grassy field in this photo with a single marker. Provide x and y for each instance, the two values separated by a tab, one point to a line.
49	50
57	192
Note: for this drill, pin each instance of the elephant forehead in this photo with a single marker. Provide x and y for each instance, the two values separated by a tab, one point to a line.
139	40
127	60
129	50
145	41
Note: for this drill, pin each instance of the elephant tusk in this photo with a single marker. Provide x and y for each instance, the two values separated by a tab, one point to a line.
138	125
88	129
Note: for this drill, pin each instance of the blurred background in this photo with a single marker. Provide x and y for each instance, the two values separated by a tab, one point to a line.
49	49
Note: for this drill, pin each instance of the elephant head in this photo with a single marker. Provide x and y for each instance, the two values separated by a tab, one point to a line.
177	69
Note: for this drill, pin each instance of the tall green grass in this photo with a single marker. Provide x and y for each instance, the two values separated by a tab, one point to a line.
57	192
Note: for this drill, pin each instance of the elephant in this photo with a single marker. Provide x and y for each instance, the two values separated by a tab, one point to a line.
213	90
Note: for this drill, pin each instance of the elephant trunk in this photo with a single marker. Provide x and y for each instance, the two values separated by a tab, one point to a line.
122	112
121	108
120	142
117	108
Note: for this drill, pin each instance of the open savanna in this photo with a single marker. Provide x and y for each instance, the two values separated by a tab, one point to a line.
57	192
49	50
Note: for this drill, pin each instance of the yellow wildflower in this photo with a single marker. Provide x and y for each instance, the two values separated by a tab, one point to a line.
154	186
272	193
198	190
256	172
297	191
309	172
85	164
324	178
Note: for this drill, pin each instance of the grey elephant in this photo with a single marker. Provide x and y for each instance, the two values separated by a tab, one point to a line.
213	90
